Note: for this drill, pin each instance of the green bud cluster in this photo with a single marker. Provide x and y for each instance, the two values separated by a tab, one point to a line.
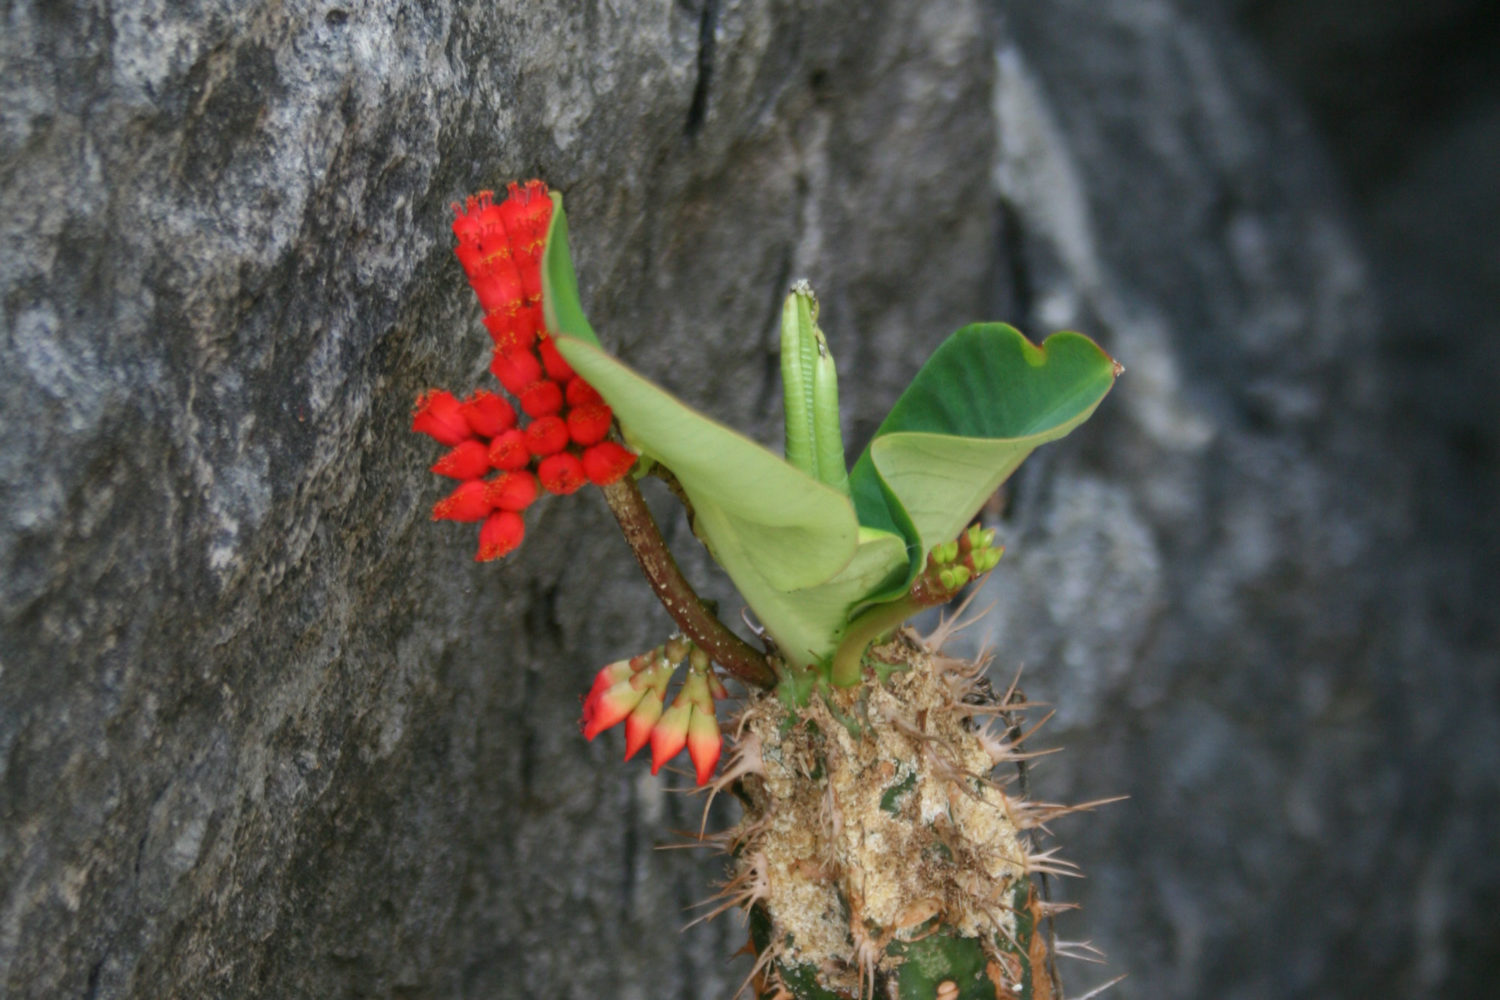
953	565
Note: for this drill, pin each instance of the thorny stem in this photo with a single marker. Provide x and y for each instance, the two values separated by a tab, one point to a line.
1015	734
676	594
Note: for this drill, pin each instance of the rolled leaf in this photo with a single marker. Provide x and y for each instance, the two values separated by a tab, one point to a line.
810	391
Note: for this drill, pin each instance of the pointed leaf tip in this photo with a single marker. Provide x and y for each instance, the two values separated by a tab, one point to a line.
560	305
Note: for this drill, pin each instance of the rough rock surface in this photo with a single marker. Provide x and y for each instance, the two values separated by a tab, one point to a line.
266	731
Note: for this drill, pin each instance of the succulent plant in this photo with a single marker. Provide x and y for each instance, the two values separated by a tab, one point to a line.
880	852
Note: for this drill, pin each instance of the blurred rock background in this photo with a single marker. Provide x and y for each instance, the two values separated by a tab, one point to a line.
267	731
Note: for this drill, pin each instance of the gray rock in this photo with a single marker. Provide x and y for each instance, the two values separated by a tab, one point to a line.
267	731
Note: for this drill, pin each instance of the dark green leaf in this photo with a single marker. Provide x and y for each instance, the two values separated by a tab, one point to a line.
983	402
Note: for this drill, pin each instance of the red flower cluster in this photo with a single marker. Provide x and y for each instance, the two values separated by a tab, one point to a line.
634	691
562	443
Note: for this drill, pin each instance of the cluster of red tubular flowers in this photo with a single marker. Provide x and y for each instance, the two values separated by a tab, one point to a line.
559	438
634	692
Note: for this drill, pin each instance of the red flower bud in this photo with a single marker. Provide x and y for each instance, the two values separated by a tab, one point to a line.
500	534
607	462
480	231
557	366
508	451
467	503
529	263
526	213
561	473
580	393
440	415
587	424
546	436
471	256
541	398
498	284
516	370
500	249
470	460
513	329
476	218
513	490
488	413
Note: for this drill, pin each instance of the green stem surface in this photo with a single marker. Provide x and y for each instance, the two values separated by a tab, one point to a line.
864	630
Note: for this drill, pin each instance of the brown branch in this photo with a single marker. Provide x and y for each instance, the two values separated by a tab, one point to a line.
669	477
676	594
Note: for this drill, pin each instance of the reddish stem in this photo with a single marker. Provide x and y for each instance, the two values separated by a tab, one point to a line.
676	594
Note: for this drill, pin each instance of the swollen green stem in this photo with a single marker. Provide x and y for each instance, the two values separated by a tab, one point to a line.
865	629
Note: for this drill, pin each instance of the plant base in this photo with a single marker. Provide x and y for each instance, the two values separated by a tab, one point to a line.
876	856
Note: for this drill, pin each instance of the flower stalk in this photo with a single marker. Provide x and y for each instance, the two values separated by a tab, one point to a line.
687	609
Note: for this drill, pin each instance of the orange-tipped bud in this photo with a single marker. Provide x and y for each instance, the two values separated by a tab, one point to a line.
610	700
466	503
561	473
704	742
642	720
557	366
488	414
469	460
439	415
513	490
716	687
500	534
587	424
608	676
541	398
509	452
515	370
669	735
607	462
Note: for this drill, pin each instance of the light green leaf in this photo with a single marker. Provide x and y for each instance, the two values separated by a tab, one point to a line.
799	532
809	624
560	305
790	540
791	544
982	403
